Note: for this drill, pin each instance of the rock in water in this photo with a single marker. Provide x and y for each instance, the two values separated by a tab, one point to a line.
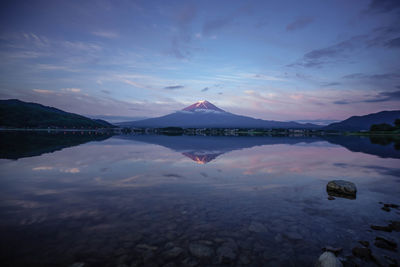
200	250
328	259
363	253
341	188
381	242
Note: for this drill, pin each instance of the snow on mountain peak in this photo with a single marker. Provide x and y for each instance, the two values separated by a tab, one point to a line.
202	105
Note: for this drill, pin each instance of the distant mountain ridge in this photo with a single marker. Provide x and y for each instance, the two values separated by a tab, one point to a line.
15	113
359	123
203	114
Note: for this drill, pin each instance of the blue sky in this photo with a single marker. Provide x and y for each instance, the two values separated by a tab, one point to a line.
281	60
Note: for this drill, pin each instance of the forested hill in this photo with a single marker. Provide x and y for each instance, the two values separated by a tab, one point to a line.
18	114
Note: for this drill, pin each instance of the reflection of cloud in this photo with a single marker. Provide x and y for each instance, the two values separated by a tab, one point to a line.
43	168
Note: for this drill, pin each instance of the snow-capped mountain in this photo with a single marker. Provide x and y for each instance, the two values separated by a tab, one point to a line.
203	114
202	105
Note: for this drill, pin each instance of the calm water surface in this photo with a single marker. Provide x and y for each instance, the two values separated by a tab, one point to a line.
189	200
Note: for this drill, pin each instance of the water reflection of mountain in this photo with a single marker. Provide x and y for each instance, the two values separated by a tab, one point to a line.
204	149
15	145
381	146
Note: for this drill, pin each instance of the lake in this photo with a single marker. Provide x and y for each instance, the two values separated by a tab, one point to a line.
91	199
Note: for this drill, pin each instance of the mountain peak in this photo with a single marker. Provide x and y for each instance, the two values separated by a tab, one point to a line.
202	105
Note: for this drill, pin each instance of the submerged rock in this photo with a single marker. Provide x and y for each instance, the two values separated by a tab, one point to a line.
381	228
389	205
386	209
363	253
332	249
395	226
200	250
341	188
381	242
257	227
328	259
173	253
225	254
364	243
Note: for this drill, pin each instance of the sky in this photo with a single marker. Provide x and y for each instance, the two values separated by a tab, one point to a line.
276	60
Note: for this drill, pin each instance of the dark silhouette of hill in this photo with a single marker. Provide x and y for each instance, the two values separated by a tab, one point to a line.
358	123
18	114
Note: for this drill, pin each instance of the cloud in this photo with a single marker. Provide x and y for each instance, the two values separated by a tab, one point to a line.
380	97
385	96
82	46
299	23
94	104
331	84
382	37
204	89
383	6
211	26
37	40
105	92
180	41
173	87
384	76
106	34
73	90
43	91
318	57
66	90
341	102
133	83
334	50
43	168
71	170
214	25
262	77
394	43
50	67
